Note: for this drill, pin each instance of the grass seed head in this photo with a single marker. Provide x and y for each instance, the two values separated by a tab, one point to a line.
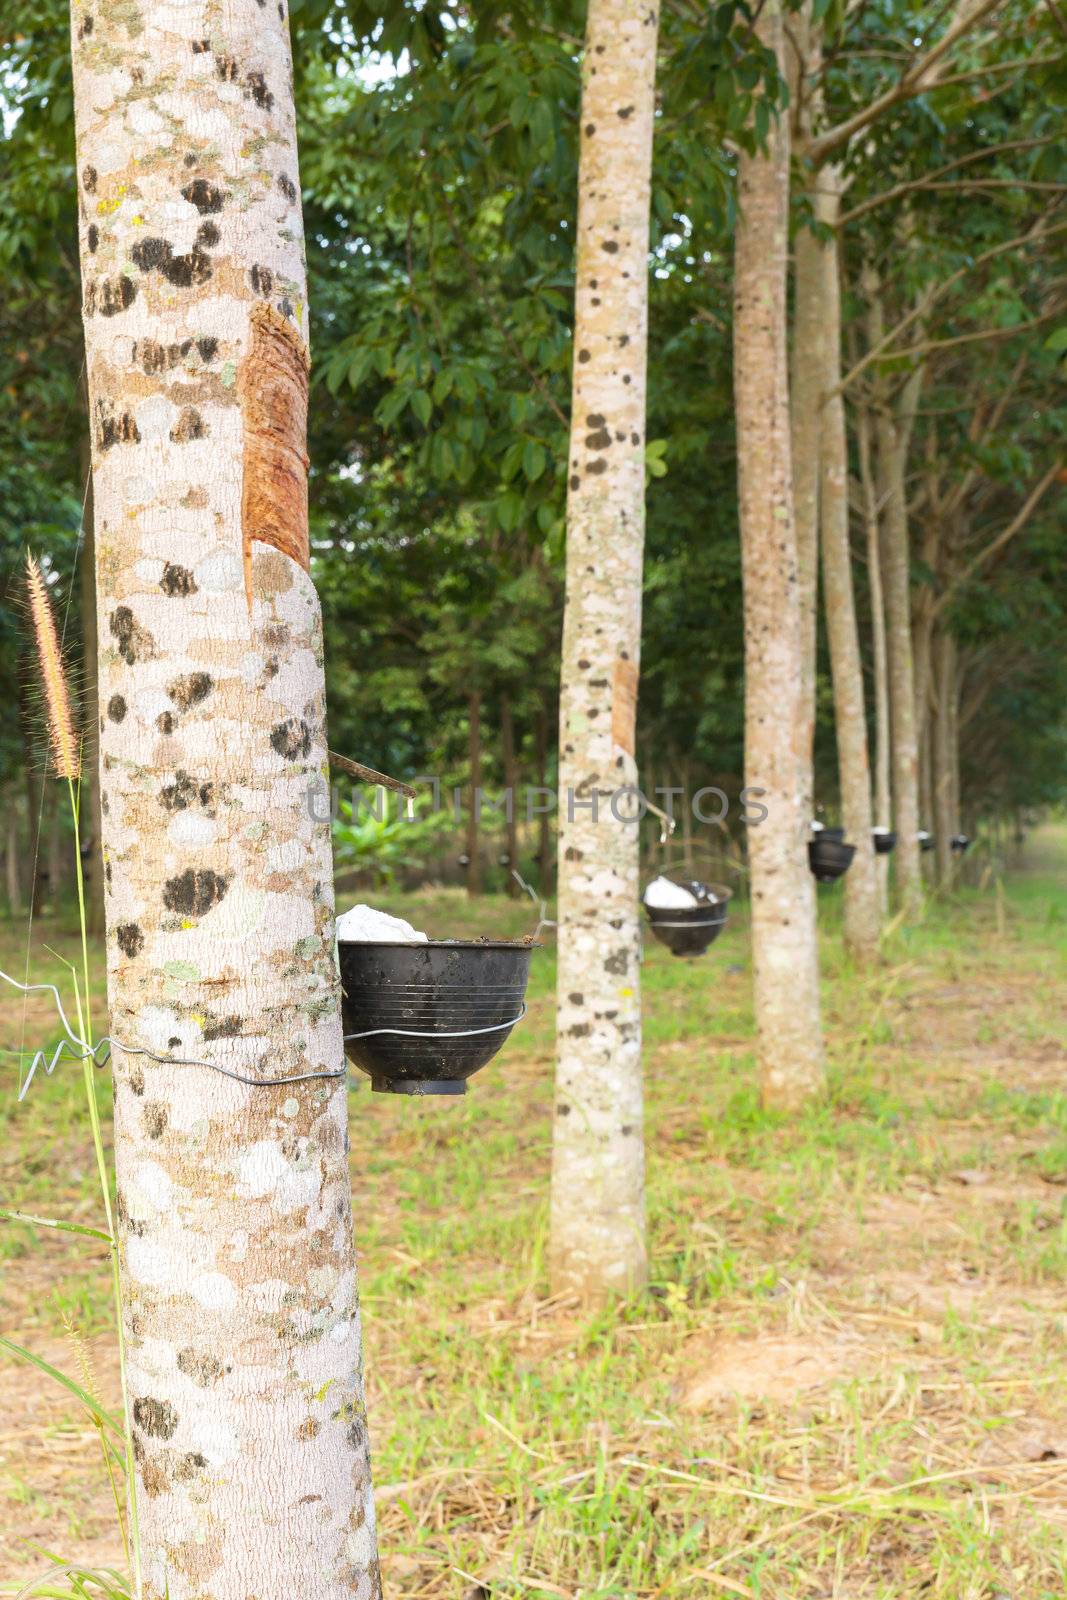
66	746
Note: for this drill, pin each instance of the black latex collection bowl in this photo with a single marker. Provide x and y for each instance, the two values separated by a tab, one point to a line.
927	842
453	1002
828	858
884	843
833	835
689	931
961	843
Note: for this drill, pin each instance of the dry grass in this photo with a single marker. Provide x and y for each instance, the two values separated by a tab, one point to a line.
846	1381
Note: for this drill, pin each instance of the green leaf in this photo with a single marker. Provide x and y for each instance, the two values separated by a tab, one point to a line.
422	405
534	459
61	1227
1058	340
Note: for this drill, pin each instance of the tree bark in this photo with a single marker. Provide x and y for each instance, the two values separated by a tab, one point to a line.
946	825
806	380
474	768
234	1201
90	820
862	922
785	963
597	1243
879	657
511	784
12	876
893	435
544	836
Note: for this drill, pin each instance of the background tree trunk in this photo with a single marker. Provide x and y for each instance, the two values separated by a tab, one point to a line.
511	784
544	822
883	814
234	1203
893	435
946	823
597	1244
90	821
474	768
862	922
12	875
785	964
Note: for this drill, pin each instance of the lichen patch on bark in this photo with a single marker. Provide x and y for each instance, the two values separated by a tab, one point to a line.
273	390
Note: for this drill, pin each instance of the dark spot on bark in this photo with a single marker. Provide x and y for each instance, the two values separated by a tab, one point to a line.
584	356
208	235
92	238
177	581
563	1110
626	378
223	1028
189	691
635	438
571	854
154	1119
599	440
262	280
624	112
189	160
85	27
126	1222
190	425
286	307
624	339
595	420
112	430
110	296
256	88
581	1030
116	708
134	642
130	939
204	1370
595	468
271	668
107	872
203	195
185	792
617	964
183	271
136	1081
291	738
157	1418
626	1129
89	180
165	722
189	1466
576	999
173	1042
287	186
610	245
201	47
193	894
576	481
590	129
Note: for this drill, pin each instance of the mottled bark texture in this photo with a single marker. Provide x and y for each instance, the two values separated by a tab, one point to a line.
238	1267
785	968
893	427
862	920
804	60
883	808
598	1186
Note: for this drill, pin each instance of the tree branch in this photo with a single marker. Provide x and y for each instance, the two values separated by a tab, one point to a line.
1006	534
942	172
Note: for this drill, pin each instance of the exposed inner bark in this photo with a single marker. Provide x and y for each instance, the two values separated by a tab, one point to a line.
273	386
624	706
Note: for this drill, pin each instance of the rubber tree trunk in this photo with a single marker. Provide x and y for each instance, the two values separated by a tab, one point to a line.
785	963
12	876
511	784
597	1243
946	824
234	1202
90	820
883	811
474	768
544	825
805	392
892	439
862	920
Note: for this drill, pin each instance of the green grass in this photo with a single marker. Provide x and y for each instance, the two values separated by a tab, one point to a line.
875	1287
